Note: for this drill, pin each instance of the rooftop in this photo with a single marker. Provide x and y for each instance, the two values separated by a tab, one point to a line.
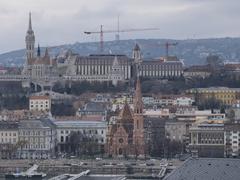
39	97
95	107
81	124
8	126
217	89
207	169
36	124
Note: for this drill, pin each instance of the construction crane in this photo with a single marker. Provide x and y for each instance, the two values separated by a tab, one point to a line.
101	32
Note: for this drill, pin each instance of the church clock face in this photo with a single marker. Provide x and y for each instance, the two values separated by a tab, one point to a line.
120	140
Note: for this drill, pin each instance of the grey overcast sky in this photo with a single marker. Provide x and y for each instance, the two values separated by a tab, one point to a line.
57	22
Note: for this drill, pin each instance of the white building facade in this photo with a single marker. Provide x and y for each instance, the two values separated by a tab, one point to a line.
40	103
38	139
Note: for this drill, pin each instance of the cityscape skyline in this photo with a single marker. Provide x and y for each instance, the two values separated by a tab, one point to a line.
61	22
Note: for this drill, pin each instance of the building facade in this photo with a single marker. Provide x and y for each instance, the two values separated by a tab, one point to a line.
37	139
92	129
232	139
8	139
103	68
176	131
163	68
224	94
207	140
40	103
198	71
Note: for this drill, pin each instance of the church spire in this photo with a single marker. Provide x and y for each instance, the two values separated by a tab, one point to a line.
30	41
138	103
30	30
30	22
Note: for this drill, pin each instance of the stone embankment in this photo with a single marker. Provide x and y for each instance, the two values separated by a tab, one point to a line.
62	166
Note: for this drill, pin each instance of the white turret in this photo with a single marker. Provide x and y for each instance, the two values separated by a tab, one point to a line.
116	73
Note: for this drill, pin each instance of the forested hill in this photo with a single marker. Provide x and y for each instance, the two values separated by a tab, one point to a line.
193	51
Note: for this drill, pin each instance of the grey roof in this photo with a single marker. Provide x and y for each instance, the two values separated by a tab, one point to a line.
80	124
96	107
8	125
207	169
36	124
103	59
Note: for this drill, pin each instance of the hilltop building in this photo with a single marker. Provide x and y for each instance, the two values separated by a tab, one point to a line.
38	68
42	72
103	68
163	68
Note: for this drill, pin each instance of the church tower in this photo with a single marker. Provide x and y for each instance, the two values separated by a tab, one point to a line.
137	54
137	60
30	41
116	72
138	131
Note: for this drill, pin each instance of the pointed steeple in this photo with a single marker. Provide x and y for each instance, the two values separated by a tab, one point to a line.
30	41
38	51
30	22
138	103
136	48
30	30
126	111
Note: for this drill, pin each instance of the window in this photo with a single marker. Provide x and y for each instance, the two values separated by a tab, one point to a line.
62	139
120	140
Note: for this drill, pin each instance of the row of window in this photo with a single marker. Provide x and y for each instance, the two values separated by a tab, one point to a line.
83	131
8	134
36	106
8	140
67	139
35	133
38	102
36	146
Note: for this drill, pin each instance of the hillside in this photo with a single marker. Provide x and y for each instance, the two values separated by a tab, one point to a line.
193	51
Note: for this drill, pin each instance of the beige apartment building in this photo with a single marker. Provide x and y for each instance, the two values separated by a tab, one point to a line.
40	103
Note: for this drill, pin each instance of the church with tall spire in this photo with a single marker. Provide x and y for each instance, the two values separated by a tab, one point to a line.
125	137
138	131
30	42
37	67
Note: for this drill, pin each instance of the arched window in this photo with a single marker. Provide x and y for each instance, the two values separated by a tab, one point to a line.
120	152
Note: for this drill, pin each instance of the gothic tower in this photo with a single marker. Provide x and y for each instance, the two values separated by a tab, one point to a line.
116	72
138	131
137	60
137	54
30	41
